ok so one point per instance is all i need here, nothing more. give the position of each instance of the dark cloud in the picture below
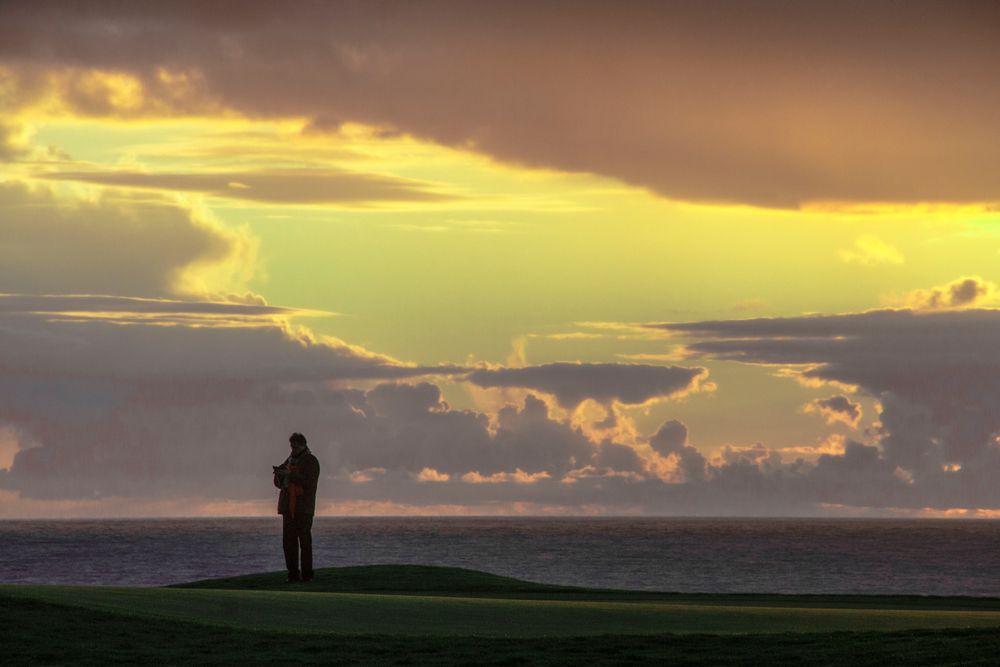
(935, 374)
(883, 335)
(155, 439)
(962, 293)
(115, 307)
(413, 429)
(573, 383)
(671, 439)
(54, 246)
(837, 408)
(63, 347)
(773, 103)
(274, 186)
(138, 441)
(405, 401)
(612, 456)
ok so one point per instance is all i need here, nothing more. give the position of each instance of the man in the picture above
(297, 478)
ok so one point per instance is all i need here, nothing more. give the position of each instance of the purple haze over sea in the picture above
(928, 557)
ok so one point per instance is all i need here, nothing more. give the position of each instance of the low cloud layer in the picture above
(118, 308)
(146, 426)
(399, 446)
(53, 245)
(936, 376)
(73, 346)
(274, 186)
(773, 105)
(572, 384)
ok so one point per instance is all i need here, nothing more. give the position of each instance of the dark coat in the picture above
(306, 475)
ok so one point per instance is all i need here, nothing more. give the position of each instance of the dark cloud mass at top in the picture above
(768, 103)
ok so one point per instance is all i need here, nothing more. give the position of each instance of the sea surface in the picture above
(925, 557)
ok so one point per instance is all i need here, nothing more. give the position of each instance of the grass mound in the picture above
(460, 582)
(394, 579)
(413, 600)
(406, 614)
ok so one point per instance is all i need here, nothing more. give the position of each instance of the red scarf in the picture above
(294, 491)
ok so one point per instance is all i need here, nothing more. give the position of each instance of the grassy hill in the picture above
(399, 579)
(456, 581)
(442, 615)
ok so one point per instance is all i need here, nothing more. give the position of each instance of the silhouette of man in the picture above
(297, 478)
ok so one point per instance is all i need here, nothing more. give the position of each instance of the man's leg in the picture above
(290, 544)
(305, 540)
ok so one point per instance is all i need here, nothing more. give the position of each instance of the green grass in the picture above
(376, 613)
(38, 633)
(420, 615)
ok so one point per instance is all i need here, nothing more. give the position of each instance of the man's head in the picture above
(298, 443)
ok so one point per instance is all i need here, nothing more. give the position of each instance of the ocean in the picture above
(874, 556)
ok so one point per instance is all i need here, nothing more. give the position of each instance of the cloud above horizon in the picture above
(828, 103)
(573, 383)
(401, 445)
(935, 374)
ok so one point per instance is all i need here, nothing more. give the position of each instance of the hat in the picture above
(297, 438)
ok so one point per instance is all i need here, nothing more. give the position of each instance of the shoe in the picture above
(293, 578)
(307, 577)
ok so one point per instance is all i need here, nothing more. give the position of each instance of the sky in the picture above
(648, 258)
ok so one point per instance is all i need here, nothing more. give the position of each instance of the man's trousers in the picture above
(296, 535)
